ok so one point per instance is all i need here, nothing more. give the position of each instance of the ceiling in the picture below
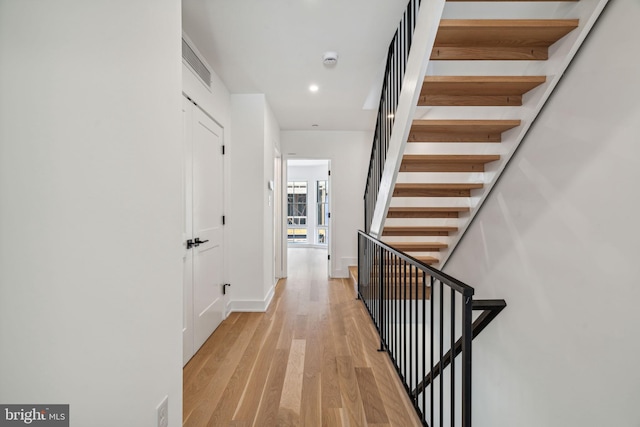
(275, 47)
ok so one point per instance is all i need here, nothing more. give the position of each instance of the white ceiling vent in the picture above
(196, 63)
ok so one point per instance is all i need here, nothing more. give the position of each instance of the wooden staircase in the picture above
(472, 112)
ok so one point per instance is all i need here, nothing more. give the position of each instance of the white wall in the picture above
(558, 240)
(90, 177)
(349, 154)
(251, 214)
(310, 174)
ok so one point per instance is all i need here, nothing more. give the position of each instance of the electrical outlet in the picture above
(163, 412)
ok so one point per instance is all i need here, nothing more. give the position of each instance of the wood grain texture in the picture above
(418, 246)
(490, 53)
(373, 406)
(498, 39)
(429, 260)
(418, 231)
(446, 162)
(460, 130)
(434, 190)
(426, 212)
(476, 90)
(502, 32)
(302, 363)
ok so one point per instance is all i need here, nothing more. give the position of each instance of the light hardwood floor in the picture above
(310, 360)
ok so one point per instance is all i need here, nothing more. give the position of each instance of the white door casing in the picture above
(329, 238)
(187, 232)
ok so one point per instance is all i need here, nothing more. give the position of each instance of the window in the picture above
(323, 203)
(322, 211)
(297, 235)
(297, 211)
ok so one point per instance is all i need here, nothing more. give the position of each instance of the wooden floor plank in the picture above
(350, 392)
(356, 346)
(292, 390)
(335, 417)
(371, 400)
(311, 411)
(231, 394)
(301, 327)
(330, 387)
(270, 401)
(199, 404)
(256, 383)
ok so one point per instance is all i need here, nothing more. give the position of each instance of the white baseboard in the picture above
(259, 306)
(339, 274)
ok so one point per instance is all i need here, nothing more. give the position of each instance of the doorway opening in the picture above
(308, 217)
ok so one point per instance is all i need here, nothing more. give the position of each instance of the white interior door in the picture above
(208, 201)
(203, 233)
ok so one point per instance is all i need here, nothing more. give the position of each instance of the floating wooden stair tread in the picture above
(418, 246)
(429, 260)
(425, 212)
(499, 39)
(353, 272)
(476, 90)
(434, 190)
(460, 130)
(422, 258)
(446, 163)
(418, 231)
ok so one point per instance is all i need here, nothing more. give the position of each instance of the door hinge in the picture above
(223, 150)
(329, 215)
(329, 257)
(329, 173)
(224, 219)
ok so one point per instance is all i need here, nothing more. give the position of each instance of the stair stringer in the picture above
(424, 36)
(561, 55)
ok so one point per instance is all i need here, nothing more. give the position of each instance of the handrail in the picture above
(397, 56)
(424, 319)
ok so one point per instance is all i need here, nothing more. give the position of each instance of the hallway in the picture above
(310, 360)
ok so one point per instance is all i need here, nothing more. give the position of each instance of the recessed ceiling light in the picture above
(314, 88)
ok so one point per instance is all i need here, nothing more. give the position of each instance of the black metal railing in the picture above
(424, 319)
(391, 87)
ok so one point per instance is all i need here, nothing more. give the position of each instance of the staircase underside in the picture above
(491, 68)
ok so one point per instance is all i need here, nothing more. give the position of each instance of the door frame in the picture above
(285, 242)
(279, 239)
(188, 199)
